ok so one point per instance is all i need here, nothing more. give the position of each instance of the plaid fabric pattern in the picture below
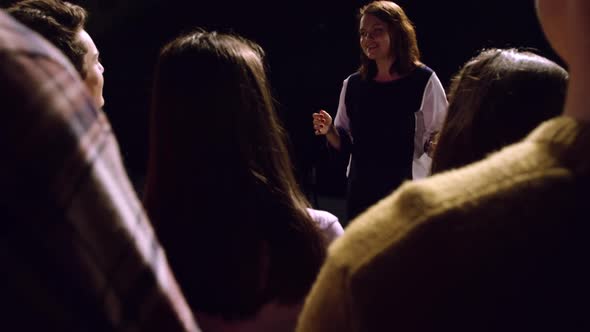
(77, 250)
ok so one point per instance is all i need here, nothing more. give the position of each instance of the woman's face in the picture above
(375, 41)
(94, 80)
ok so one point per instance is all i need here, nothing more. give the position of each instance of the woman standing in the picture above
(388, 111)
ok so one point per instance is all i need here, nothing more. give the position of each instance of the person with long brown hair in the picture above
(496, 99)
(388, 110)
(221, 191)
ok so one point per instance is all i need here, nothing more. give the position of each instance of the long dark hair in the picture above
(404, 45)
(220, 185)
(496, 99)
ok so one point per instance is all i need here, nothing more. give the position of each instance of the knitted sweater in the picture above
(497, 245)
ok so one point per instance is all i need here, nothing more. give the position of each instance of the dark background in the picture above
(312, 46)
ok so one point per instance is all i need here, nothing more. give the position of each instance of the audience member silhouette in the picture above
(78, 251)
(221, 191)
(496, 99)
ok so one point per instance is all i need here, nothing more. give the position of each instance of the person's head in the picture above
(219, 175)
(62, 23)
(496, 99)
(212, 107)
(386, 32)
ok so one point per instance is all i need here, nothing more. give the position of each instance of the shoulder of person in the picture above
(17, 38)
(354, 77)
(324, 219)
(422, 68)
(353, 80)
(422, 74)
(469, 193)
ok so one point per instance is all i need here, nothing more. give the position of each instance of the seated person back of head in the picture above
(78, 252)
(501, 244)
(496, 99)
(221, 189)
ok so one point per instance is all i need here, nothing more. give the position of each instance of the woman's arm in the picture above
(337, 131)
(433, 111)
(434, 107)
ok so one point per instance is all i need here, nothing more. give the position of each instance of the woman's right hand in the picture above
(322, 122)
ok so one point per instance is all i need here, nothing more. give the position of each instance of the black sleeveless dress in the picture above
(382, 127)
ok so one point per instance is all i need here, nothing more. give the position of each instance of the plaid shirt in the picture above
(77, 250)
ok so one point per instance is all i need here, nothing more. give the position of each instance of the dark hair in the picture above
(496, 99)
(57, 21)
(220, 187)
(404, 45)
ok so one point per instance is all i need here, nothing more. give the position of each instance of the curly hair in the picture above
(57, 21)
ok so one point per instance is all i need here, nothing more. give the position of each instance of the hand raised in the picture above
(322, 122)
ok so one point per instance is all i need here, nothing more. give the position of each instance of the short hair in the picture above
(404, 45)
(496, 99)
(220, 179)
(57, 21)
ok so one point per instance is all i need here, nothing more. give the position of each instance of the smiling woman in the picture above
(388, 110)
(375, 41)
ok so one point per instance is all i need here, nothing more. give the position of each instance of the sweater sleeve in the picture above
(327, 307)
